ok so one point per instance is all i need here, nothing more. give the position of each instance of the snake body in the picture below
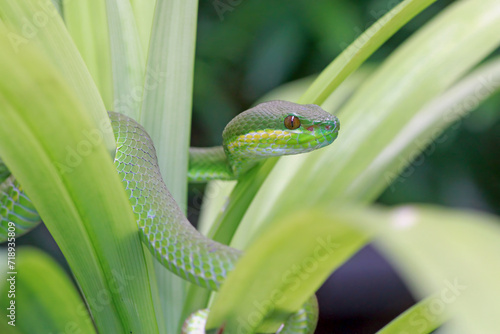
(270, 129)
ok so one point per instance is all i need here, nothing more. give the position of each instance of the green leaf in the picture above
(362, 48)
(88, 26)
(423, 130)
(52, 146)
(228, 220)
(45, 299)
(144, 12)
(58, 4)
(127, 58)
(448, 255)
(282, 269)
(293, 90)
(451, 256)
(37, 23)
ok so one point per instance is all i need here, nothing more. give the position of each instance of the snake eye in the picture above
(292, 122)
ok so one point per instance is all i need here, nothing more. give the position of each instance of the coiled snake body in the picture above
(270, 129)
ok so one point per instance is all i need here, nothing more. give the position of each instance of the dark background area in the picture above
(258, 45)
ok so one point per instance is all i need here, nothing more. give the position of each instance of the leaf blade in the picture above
(45, 295)
(51, 145)
(52, 39)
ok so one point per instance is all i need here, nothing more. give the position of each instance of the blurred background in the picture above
(246, 49)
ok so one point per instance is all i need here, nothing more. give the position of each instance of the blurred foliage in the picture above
(459, 169)
(255, 46)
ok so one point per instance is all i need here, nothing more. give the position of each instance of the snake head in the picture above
(277, 128)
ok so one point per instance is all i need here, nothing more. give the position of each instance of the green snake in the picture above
(270, 129)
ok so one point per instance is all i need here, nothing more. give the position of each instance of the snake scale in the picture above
(272, 128)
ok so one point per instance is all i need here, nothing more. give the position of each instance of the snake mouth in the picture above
(329, 123)
(320, 134)
(322, 128)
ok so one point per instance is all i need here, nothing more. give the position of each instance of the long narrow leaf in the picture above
(45, 299)
(37, 22)
(424, 128)
(52, 146)
(362, 48)
(127, 58)
(144, 12)
(450, 256)
(88, 26)
(282, 269)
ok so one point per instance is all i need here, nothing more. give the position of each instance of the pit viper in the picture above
(269, 129)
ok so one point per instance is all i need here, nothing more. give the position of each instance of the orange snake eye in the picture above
(292, 122)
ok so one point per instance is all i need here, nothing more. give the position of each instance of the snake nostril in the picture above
(328, 127)
(310, 128)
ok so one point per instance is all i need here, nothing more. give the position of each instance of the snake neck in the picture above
(215, 163)
(207, 164)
